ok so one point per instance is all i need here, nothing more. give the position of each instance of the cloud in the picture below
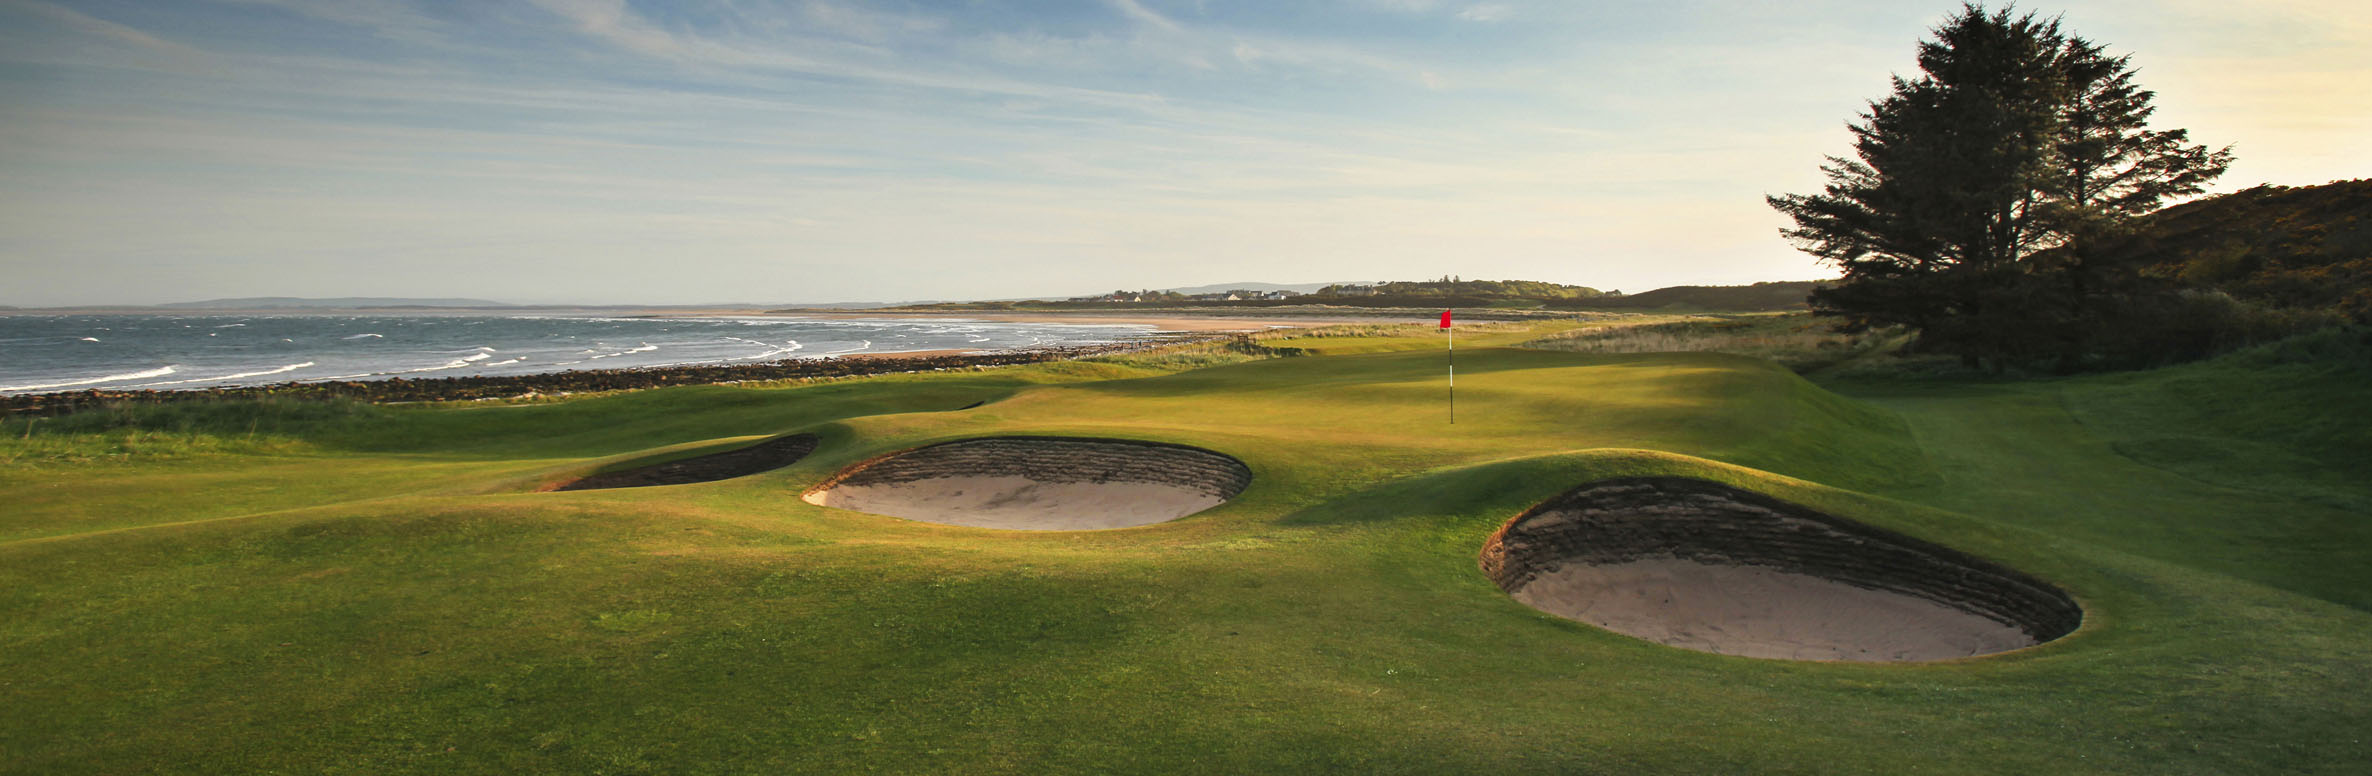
(392, 18)
(1486, 12)
(614, 22)
(92, 25)
(547, 145)
(1137, 12)
(866, 24)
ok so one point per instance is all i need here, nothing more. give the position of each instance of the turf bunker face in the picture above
(764, 456)
(1038, 483)
(1703, 566)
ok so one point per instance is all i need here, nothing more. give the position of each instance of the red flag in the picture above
(1445, 319)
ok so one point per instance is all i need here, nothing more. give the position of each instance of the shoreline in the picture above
(1164, 330)
(480, 387)
(1164, 320)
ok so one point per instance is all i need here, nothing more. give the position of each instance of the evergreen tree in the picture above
(2112, 169)
(2015, 140)
(2110, 164)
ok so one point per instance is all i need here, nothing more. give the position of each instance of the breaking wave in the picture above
(157, 372)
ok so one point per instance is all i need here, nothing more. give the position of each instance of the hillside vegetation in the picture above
(2297, 247)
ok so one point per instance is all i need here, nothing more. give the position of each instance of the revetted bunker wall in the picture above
(764, 456)
(1056, 459)
(1621, 520)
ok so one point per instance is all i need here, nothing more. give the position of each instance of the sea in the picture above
(41, 353)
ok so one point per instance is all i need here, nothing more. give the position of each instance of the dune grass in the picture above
(380, 592)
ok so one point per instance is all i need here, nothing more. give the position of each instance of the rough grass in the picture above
(390, 599)
(1795, 340)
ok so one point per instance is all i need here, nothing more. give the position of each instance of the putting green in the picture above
(383, 592)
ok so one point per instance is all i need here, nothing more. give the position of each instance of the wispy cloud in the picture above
(870, 149)
(1486, 12)
(1137, 12)
(99, 28)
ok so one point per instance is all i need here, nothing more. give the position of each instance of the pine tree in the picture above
(2110, 164)
(2015, 140)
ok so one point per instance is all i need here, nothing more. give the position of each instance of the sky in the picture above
(776, 151)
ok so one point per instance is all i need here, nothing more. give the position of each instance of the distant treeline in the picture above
(1455, 288)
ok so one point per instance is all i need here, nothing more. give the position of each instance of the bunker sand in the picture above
(1764, 612)
(1703, 566)
(1038, 483)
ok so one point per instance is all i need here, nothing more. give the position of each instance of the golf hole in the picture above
(1038, 483)
(1703, 566)
(764, 456)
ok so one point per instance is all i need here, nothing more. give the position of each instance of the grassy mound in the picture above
(380, 595)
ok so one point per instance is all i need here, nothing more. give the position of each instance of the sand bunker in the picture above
(1704, 566)
(1038, 483)
(764, 456)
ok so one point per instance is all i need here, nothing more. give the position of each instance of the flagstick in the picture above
(1453, 374)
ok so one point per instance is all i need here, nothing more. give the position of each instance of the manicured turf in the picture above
(379, 591)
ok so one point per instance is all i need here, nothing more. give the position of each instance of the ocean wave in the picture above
(458, 363)
(90, 339)
(157, 372)
(239, 376)
(772, 350)
(364, 336)
(868, 344)
(645, 348)
(230, 326)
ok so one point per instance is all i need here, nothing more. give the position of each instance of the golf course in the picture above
(281, 586)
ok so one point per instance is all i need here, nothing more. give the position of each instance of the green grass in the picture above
(375, 590)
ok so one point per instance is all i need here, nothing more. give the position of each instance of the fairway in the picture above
(362, 589)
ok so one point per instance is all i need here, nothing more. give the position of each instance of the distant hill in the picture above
(1444, 292)
(1299, 288)
(343, 302)
(1471, 289)
(1773, 296)
(2299, 247)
